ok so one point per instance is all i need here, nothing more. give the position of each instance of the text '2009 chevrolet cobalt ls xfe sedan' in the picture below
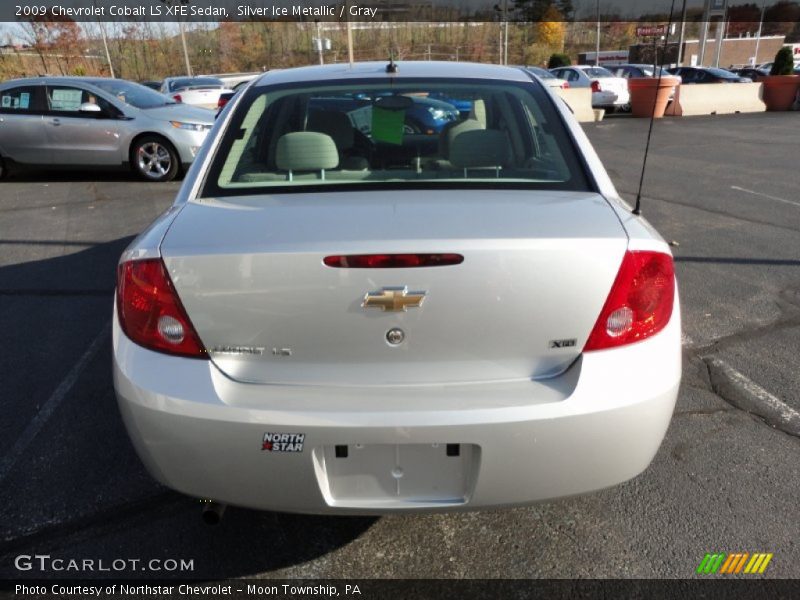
(340, 316)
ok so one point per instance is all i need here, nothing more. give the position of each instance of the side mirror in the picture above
(90, 107)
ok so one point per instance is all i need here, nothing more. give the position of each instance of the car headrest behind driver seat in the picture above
(306, 151)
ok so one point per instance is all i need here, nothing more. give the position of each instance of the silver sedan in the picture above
(98, 122)
(338, 315)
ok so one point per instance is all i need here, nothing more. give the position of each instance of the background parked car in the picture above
(96, 122)
(548, 78)
(641, 70)
(708, 75)
(153, 85)
(197, 91)
(638, 70)
(752, 73)
(608, 91)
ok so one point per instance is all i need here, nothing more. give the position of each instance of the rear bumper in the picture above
(598, 424)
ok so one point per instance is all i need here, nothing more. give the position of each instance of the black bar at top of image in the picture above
(711, 588)
(386, 10)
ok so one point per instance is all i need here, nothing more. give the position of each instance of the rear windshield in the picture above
(543, 73)
(598, 72)
(365, 134)
(195, 83)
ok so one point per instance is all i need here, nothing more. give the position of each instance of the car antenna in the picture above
(637, 209)
(391, 67)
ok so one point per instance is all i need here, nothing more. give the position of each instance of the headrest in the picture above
(306, 151)
(479, 148)
(335, 124)
(478, 112)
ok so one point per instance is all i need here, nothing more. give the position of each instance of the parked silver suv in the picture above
(98, 122)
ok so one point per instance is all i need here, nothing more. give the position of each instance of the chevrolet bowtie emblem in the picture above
(393, 299)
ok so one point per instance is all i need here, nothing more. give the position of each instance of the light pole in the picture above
(105, 45)
(758, 35)
(682, 34)
(597, 52)
(183, 37)
(319, 42)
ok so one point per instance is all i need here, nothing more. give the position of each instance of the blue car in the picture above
(425, 116)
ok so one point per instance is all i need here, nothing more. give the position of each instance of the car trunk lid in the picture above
(537, 268)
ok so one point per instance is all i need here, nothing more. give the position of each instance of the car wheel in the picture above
(154, 159)
(411, 128)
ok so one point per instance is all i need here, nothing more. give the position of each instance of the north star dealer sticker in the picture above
(283, 442)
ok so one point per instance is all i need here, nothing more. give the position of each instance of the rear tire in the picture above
(154, 159)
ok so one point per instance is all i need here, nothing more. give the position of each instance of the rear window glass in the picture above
(368, 134)
(195, 83)
(598, 72)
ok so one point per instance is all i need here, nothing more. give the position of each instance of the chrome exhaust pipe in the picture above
(213, 512)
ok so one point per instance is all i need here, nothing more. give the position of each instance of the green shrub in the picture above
(784, 62)
(558, 60)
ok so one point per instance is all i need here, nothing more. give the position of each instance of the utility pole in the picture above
(319, 42)
(681, 37)
(597, 53)
(350, 41)
(105, 45)
(758, 35)
(185, 49)
(704, 33)
(720, 37)
(183, 35)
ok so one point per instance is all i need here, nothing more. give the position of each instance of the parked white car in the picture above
(195, 91)
(608, 91)
(548, 78)
(341, 315)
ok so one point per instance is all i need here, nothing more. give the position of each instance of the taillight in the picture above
(596, 86)
(640, 302)
(150, 312)
(177, 98)
(392, 261)
(222, 102)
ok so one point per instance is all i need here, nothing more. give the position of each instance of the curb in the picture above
(741, 392)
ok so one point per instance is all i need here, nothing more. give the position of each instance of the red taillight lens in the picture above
(222, 102)
(640, 302)
(392, 261)
(177, 98)
(596, 86)
(150, 312)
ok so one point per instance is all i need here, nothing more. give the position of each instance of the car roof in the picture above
(50, 79)
(405, 70)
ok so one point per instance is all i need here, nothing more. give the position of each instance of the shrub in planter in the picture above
(558, 60)
(784, 62)
(781, 85)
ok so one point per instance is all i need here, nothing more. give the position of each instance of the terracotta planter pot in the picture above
(780, 91)
(649, 91)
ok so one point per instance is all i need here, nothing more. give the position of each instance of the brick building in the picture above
(735, 51)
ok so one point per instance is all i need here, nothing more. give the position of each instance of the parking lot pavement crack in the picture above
(743, 335)
(743, 393)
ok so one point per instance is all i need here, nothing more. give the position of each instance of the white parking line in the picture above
(784, 200)
(49, 407)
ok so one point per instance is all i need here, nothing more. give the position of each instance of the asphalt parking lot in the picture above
(724, 190)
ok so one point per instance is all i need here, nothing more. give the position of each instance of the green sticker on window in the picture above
(387, 125)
